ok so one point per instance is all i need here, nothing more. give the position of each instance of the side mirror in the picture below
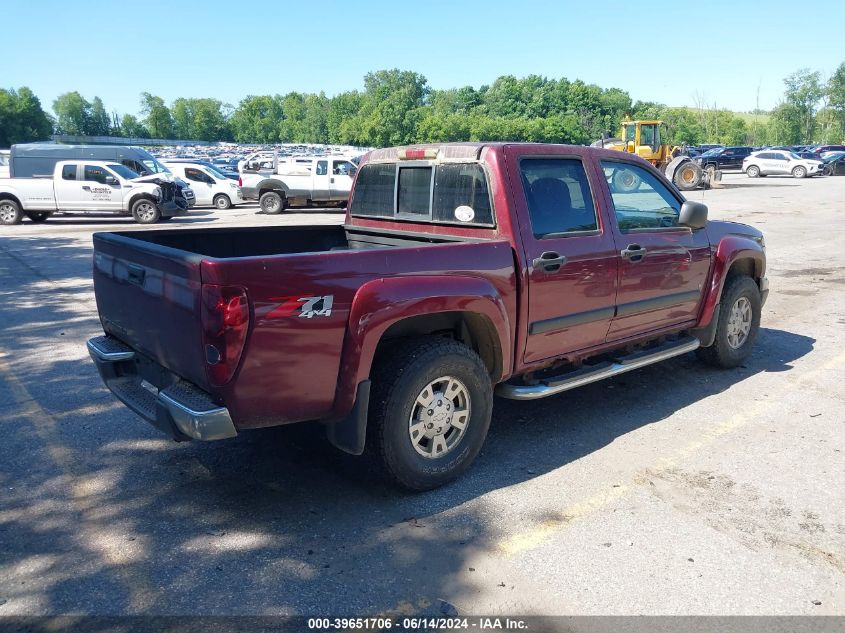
(693, 215)
(111, 180)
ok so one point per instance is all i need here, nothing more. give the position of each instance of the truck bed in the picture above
(148, 286)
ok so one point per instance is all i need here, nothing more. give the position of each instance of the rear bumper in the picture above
(180, 410)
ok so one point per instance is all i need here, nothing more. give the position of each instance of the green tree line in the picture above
(399, 107)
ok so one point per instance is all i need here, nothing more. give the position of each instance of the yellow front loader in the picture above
(643, 139)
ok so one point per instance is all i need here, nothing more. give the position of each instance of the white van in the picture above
(211, 187)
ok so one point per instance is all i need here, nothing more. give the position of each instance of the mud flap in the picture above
(350, 433)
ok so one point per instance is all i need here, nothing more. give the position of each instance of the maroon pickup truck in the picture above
(462, 270)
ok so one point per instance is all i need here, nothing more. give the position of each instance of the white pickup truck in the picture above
(87, 186)
(319, 181)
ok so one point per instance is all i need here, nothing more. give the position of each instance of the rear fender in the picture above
(381, 303)
(271, 184)
(730, 250)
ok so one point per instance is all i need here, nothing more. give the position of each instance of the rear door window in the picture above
(69, 172)
(558, 196)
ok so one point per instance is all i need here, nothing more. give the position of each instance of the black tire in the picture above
(625, 181)
(38, 216)
(272, 202)
(753, 171)
(799, 172)
(10, 212)
(722, 353)
(401, 375)
(222, 201)
(145, 211)
(688, 176)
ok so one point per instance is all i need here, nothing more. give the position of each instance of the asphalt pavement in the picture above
(674, 489)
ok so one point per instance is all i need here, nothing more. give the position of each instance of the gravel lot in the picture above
(675, 489)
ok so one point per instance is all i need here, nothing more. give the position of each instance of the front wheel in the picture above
(222, 201)
(753, 171)
(10, 212)
(799, 172)
(272, 203)
(145, 211)
(429, 413)
(739, 322)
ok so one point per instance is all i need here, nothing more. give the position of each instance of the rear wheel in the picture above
(222, 201)
(145, 211)
(272, 202)
(429, 411)
(10, 212)
(753, 171)
(799, 172)
(739, 322)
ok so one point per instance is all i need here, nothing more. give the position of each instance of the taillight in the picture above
(225, 321)
(240, 182)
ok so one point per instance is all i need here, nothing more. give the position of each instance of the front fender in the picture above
(381, 303)
(730, 249)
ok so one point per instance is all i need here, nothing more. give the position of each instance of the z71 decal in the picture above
(306, 307)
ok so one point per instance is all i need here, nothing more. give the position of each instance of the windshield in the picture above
(830, 156)
(155, 167)
(123, 171)
(712, 152)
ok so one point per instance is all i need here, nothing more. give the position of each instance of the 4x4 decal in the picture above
(306, 307)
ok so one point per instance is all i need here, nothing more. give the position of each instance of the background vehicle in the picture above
(818, 149)
(642, 138)
(84, 187)
(833, 164)
(300, 182)
(211, 187)
(771, 163)
(224, 171)
(461, 268)
(33, 160)
(723, 158)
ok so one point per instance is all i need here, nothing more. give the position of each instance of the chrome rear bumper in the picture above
(180, 410)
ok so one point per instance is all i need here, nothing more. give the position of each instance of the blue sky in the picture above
(715, 48)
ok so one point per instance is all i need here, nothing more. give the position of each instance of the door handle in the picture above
(549, 261)
(86, 188)
(331, 180)
(633, 252)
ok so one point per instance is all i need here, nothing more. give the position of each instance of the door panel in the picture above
(322, 186)
(68, 189)
(97, 194)
(341, 179)
(570, 253)
(662, 267)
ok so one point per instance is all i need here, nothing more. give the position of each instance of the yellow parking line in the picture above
(539, 534)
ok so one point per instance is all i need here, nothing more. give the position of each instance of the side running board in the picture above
(593, 373)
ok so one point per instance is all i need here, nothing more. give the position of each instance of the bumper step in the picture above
(594, 373)
(180, 410)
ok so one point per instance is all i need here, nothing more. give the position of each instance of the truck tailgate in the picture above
(149, 297)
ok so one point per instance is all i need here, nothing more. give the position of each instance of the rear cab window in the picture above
(444, 193)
